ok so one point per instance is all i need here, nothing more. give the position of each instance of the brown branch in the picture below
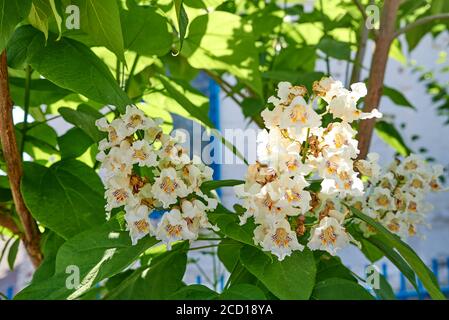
(420, 22)
(31, 236)
(9, 223)
(377, 72)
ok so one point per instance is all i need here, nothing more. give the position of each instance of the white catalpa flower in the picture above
(138, 223)
(345, 108)
(299, 115)
(294, 193)
(381, 199)
(280, 240)
(329, 236)
(116, 132)
(339, 140)
(173, 227)
(142, 153)
(168, 187)
(135, 119)
(272, 118)
(119, 194)
(328, 88)
(369, 167)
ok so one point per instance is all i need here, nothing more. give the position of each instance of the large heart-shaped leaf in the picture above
(96, 254)
(12, 13)
(61, 62)
(162, 278)
(100, 24)
(293, 278)
(222, 41)
(340, 289)
(67, 197)
(146, 31)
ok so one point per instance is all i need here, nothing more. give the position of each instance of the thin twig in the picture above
(361, 8)
(361, 50)
(328, 64)
(420, 22)
(131, 72)
(31, 237)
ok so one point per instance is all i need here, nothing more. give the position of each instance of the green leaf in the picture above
(74, 143)
(422, 271)
(181, 92)
(61, 62)
(229, 226)
(42, 13)
(194, 104)
(382, 244)
(215, 184)
(50, 244)
(67, 197)
(18, 46)
(13, 12)
(146, 31)
(99, 253)
(331, 267)
(12, 254)
(397, 97)
(228, 252)
(43, 92)
(385, 292)
(293, 278)
(183, 21)
(243, 291)
(83, 119)
(388, 133)
(40, 136)
(100, 20)
(340, 289)
(194, 292)
(158, 281)
(221, 41)
(371, 252)
(335, 49)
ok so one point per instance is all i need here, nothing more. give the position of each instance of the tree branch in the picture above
(360, 54)
(31, 237)
(377, 72)
(9, 223)
(420, 22)
(361, 8)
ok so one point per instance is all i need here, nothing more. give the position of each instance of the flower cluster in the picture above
(309, 141)
(395, 196)
(147, 171)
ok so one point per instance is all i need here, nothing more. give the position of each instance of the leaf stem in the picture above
(131, 72)
(26, 107)
(306, 147)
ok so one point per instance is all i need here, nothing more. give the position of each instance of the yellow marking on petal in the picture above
(383, 201)
(416, 183)
(120, 195)
(328, 236)
(173, 230)
(281, 238)
(134, 121)
(140, 154)
(168, 185)
(142, 225)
